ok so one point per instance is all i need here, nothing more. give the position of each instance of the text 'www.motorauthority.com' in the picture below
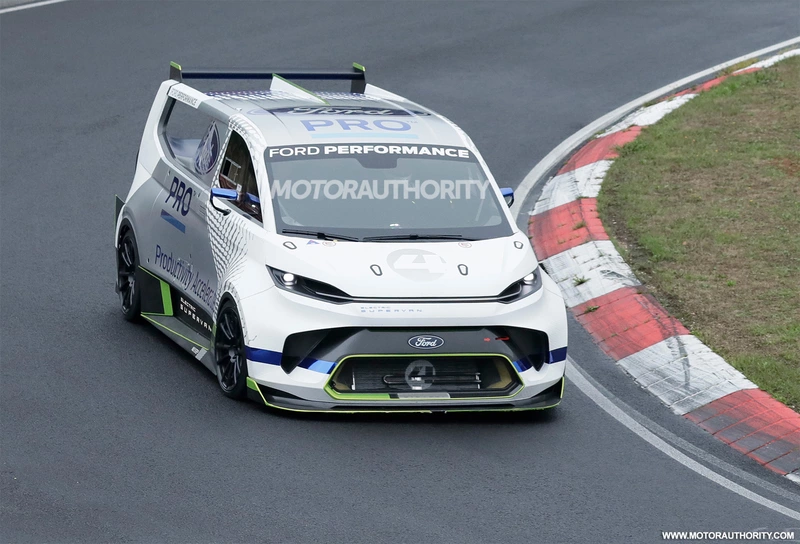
(727, 535)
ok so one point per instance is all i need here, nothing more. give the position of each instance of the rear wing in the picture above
(357, 76)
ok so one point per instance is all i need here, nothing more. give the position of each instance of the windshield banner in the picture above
(290, 152)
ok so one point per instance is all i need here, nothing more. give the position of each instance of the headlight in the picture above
(531, 282)
(307, 287)
(528, 285)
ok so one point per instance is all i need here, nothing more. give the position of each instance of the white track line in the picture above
(557, 155)
(29, 6)
(645, 434)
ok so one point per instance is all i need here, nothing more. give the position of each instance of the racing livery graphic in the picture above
(334, 251)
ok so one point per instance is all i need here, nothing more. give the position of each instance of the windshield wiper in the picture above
(415, 237)
(320, 235)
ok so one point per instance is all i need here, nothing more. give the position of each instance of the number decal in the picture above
(181, 195)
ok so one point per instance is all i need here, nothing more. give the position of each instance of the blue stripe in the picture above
(555, 356)
(274, 358)
(365, 135)
(558, 355)
(317, 365)
(324, 367)
(172, 221)
(263, 355)
(523, 364)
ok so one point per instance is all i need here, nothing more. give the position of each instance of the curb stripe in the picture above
(589, 271)
(565, 227)
(600, 288)
(566, 148)
(684, 373)
(625, 322)
(650, 115)
(754, 423)
(600, 149)
(766, 63)
(764, 435)
(583, 182)
(703, 87)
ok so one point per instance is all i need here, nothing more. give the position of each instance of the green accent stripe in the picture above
(358, 66)
(252, 385)
(175, 65)
(414, 355)
(306, 91)
(507, 409)
(356, 396)
(146, 270)
(383, 396)
(166, 298)
(154, 322)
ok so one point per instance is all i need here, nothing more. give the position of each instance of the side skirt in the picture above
(177, 317)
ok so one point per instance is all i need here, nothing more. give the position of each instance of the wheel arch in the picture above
(226, 297)
(124, 224)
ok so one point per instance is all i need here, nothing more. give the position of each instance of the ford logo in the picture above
(425, 341)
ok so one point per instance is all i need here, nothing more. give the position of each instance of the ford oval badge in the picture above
(425, 341)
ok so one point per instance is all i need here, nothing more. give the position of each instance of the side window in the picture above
(237, 173)
(192, 138)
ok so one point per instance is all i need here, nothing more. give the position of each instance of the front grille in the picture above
(471, 375)
(332, 294)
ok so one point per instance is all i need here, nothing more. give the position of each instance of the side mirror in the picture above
(224, 194)
(508, 194)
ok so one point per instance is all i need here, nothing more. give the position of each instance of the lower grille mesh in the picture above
(484, 374)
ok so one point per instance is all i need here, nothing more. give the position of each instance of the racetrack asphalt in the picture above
(110, 433)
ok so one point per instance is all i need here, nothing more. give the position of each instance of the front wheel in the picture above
(127, 262)
(229, 352)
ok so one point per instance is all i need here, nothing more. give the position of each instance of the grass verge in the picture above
(705, 206)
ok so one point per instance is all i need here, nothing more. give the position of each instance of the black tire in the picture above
(229, 354)
(130, 296)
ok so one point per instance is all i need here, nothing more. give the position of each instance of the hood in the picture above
(411, 269)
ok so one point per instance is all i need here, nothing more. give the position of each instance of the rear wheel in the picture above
(127, 263)
(229, 352)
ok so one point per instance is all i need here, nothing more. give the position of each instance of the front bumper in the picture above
(297, 347)
(549, 398)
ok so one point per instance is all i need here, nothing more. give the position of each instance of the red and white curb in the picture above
(631, 326)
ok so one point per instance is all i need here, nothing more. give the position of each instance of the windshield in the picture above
(383, 191)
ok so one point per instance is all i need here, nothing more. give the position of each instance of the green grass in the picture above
(705, 206)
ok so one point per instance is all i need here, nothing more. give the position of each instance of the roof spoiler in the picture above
(357, 76)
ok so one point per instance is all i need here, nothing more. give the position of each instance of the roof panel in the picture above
(285, 118)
